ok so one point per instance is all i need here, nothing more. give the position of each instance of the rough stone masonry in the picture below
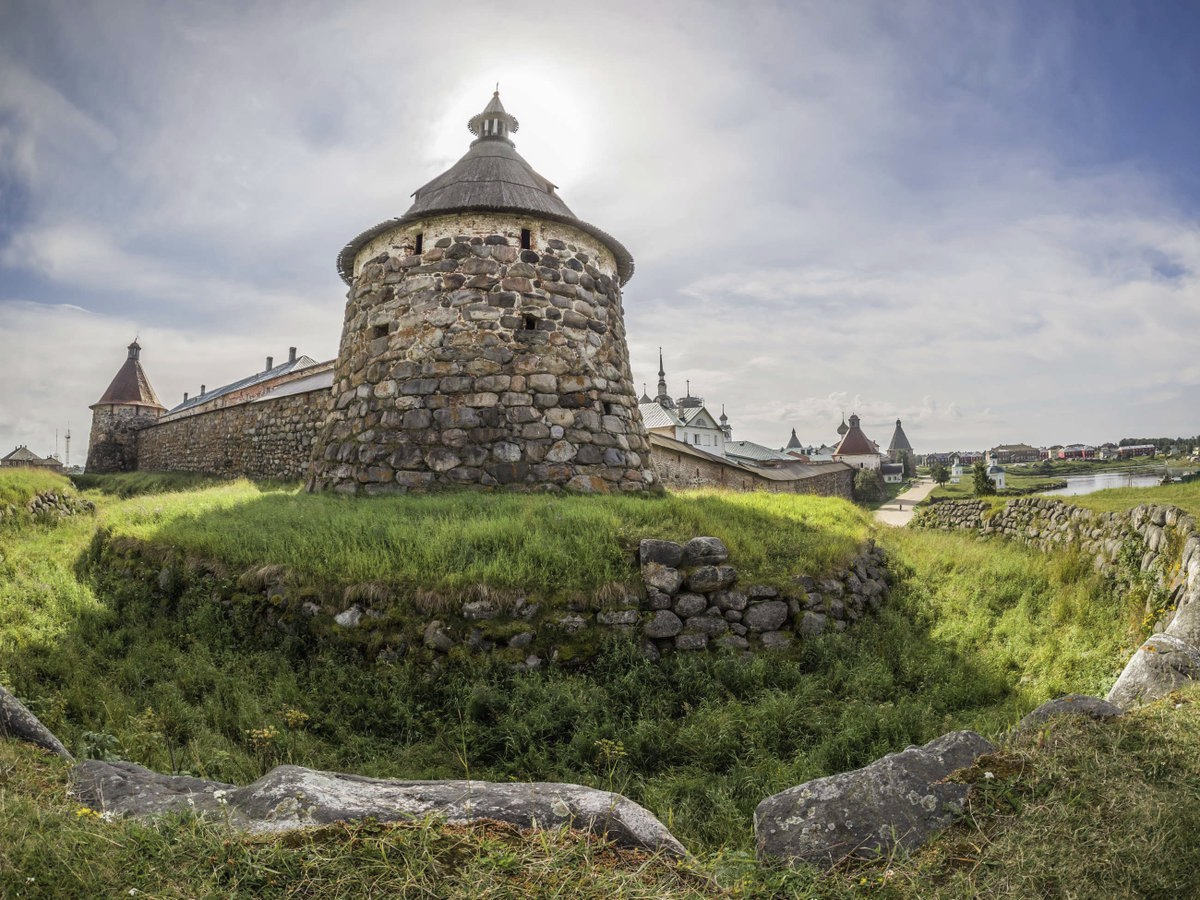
(484, 341)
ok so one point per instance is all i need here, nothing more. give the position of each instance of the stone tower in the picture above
(128, 406)
(484, 341)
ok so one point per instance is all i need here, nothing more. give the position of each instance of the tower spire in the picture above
(663, 399)
(494, 123)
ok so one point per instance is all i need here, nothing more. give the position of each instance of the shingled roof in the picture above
(22, 454)
(900, 439)
(854, 442)
(491, 177)
(130, 387)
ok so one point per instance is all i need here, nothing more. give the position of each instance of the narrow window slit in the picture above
(419, 248)
(526, 239)
(379, 331)
(530, 322)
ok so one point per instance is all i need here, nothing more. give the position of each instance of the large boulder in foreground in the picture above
(291, 797)
(18, 722)
(898, 801)
(1162, 664)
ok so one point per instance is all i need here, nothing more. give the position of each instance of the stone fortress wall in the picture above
(264, 439)
(681, 468)
(476, 361)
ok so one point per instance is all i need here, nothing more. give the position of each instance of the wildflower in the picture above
(988, 776)
(295, 719)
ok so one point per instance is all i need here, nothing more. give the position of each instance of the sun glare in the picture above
(556, 133)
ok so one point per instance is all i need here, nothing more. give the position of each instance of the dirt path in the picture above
(899, 511)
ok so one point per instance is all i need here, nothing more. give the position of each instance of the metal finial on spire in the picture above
(662, 373)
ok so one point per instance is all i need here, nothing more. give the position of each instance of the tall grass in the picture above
(19, 485)
(974, 636)
(450, 542)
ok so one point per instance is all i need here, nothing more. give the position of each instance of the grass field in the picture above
(975, 635)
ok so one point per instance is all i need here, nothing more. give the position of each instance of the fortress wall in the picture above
(678, 470)
(265, 439)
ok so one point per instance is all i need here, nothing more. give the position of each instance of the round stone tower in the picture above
(484, 341)
(128, 406)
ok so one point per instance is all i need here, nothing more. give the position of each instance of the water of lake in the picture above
(1085, 484)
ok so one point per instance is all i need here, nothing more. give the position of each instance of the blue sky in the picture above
(982, 218)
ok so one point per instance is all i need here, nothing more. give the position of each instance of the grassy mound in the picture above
(120, 666)
(133, 484)
(18, 486)
(450, 543)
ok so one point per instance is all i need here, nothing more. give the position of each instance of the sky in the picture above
(980, 218)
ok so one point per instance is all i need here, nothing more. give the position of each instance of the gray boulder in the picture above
(665, 553)
(1185, 624)
(18, 722)
(705, 551)
(1069, 705)
(665, 624)
(291, 797)
(711, 578)
(769, 615)
(896, 802)
(662, 578)
(1162, 664)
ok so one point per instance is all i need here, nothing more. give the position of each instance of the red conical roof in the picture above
(855, 443)
(131, 386)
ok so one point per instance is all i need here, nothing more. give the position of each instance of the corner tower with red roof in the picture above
(128, 406)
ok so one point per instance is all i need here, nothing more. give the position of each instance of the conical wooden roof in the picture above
(491, 177)
(900, 439)
(131, 387)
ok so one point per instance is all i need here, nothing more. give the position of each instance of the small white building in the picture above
(956, 471)
(996, 473)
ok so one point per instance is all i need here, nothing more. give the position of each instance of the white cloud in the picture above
(870, 205)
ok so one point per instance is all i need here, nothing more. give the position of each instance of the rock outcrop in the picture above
(1069, 705)
(18, 722)
(896, 802)
(290, 797)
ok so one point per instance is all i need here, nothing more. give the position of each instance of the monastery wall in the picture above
(263, 439)
(680, 470)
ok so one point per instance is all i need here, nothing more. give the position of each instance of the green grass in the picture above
(132, 484)
(548, 546)
(1184, 495)
(1075, 809)
(19, 485)
(975, 635)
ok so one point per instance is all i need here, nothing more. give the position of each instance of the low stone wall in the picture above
(47, 506)
(263, 439)
(690, 599)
